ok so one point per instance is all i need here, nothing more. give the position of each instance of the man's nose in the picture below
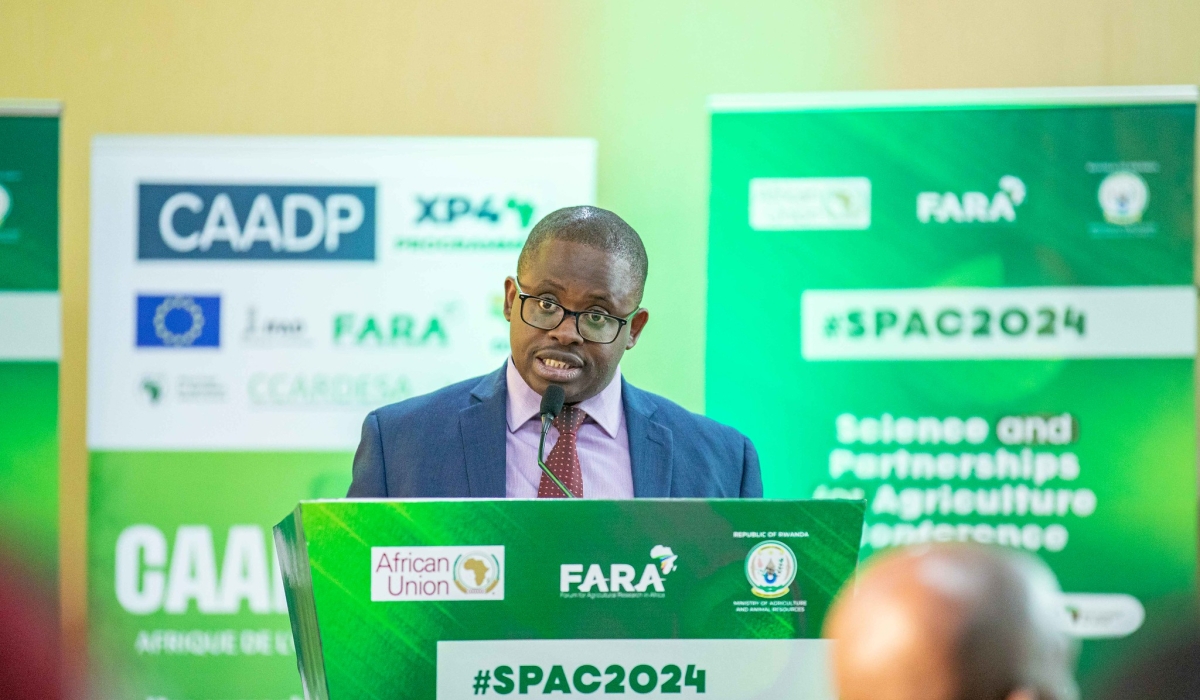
(567, 332)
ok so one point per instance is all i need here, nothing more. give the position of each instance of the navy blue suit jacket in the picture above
(451, 444)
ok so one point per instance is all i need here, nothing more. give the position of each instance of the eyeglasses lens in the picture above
(540, 313)
(544, 314)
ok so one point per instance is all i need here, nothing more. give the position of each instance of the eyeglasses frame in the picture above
(567, 312)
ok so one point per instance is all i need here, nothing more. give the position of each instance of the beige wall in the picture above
(631, 74)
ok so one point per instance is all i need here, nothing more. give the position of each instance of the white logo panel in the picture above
(984, 323)
(810, 203)
(437, 573)
(297, 346)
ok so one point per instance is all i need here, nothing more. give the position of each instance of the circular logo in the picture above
(476, 572)
(1123, 197)
(178, 321)
(770, 569)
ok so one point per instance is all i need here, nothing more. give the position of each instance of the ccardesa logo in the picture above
(255, 222)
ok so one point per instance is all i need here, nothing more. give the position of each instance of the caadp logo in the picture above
(152, 577)
(178, 321)
(255, 222)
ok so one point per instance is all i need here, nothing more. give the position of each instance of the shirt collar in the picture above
(524, 403)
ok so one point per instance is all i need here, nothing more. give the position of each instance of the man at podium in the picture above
(574, 308)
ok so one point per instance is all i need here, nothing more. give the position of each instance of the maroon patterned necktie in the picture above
(563, 460)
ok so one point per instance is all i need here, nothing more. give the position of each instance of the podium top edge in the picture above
(981, 97)
(30, 108)
(581, 500)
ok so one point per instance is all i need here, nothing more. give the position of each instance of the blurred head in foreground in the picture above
(952, 622)
(30, 664)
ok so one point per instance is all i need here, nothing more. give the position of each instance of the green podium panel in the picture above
(470, 598)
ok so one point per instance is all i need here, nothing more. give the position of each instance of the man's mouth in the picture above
(557, 371)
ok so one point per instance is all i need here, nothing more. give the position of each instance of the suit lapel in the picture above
(650, 445)
(482, 425)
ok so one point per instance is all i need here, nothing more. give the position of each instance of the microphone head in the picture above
(552, 400)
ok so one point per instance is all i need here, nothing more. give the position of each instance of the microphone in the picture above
(552, 404)
(552, 401)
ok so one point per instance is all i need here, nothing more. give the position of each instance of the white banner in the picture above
(32, 323)
(984, 323)
(730, 669)
(266, 293)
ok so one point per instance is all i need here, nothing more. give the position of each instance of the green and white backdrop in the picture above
(251, 300)
(30, 332)
(976, 311)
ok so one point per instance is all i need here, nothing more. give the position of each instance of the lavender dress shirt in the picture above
(602, 441)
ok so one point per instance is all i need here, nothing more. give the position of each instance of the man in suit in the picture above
(574, 308)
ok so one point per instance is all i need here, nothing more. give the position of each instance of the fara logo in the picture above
(770, 569)
(970, 207)
(178, 321)
(1124, 196)
(437, 573)
(665, 558)
(255, 222)
(622, 580)
(388, 330)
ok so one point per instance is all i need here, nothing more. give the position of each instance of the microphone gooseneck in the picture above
(552, 404)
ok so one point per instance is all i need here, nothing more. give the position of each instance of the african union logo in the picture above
(1123, 197)
(476, 572)
(178, 321)
(770, 569)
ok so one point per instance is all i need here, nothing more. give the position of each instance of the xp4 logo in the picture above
(449, 209)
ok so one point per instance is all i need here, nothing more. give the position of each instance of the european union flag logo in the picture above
(178, 321)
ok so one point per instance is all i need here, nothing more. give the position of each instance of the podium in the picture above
(455, 599)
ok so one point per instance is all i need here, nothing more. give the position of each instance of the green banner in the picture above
(976, 311)
(29, 331)
(461, 599)
(250, 303)
(184, 593)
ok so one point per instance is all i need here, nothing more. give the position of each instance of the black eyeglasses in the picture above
(592, 326)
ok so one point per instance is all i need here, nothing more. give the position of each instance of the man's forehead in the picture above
(572, 287)
(579, 269)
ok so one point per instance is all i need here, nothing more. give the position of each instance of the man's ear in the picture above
(510, 297)
(636, 324)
